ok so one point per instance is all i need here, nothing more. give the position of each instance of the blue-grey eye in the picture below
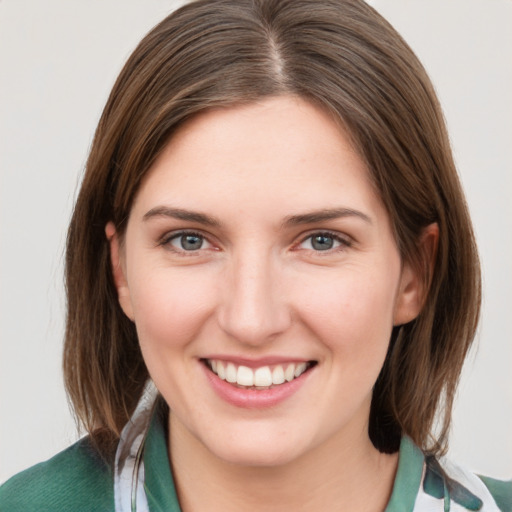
(188, 242)
(322, 242)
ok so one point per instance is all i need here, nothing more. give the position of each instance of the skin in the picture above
(256, 288)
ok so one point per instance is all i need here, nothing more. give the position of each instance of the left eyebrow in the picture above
(323, 215)
(181, 214)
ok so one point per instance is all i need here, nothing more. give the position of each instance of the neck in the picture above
(346, 471)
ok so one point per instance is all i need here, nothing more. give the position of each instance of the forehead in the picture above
(281, 150)
(265, 129)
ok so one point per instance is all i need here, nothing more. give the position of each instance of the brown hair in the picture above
(343, 56)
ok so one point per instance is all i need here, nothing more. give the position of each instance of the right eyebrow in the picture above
(181, 214)
(324, 215)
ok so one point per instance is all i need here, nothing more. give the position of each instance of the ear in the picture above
(415, 279)
(118, 270)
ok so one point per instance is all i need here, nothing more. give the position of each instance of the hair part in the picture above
(340, 55)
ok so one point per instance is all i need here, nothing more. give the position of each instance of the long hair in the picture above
(340, 55)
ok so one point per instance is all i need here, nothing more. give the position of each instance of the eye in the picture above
(324, 242)
(187, 241)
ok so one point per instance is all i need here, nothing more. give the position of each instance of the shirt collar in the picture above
(159, 482)
(408, 477)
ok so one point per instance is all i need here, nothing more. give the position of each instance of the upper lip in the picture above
(257, 362)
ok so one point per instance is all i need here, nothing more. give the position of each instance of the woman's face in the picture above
(262, 275)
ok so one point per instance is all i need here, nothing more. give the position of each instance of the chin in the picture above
(257, 449)
(257, 456)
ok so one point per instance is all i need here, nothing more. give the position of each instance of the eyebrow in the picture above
(181, 214)
(292, 220)
(323, 215)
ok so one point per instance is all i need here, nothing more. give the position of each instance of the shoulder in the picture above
(77, 479)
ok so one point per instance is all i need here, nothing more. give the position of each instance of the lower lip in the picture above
(255, 398)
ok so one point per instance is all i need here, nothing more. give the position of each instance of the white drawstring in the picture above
(129, 492)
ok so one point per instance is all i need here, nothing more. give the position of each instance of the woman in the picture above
(271, 230)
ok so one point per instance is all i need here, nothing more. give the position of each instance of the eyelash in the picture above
(344, 242)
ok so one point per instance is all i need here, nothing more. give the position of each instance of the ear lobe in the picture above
(118, 272)
(415, 279)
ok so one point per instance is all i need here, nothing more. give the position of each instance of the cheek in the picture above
(169, 308)
(351, 312)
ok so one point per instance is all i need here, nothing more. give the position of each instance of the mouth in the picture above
(260, 378)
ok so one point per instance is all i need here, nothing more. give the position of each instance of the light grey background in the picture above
(58, 61)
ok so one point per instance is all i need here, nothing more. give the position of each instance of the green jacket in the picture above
(78, 479)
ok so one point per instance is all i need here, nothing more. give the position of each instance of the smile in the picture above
(264, 377)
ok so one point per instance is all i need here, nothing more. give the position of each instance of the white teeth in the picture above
(231, 373)
(220, 370)
(300, 369)
(278, 375)
(263, 377)
(289, 373)
(245, 376)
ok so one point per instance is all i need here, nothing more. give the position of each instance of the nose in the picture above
(254, 307)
